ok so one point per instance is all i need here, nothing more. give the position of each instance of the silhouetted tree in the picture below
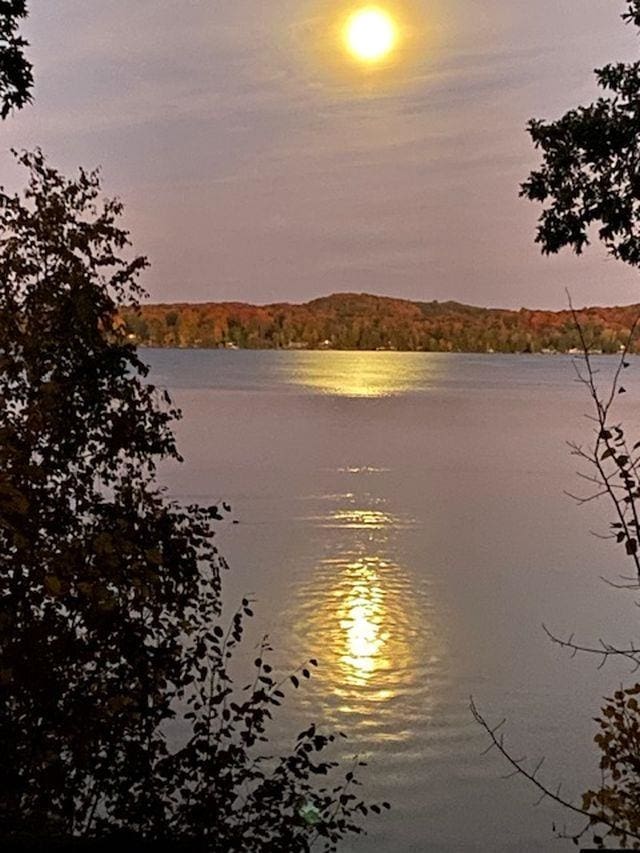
(110, 595)
(590, 171)
(590, 176)
(16, 77)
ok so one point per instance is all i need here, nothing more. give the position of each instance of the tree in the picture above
(110, 624)
(16, 72)
(590, 171)
(590, 177)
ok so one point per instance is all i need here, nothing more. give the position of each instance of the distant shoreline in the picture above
(385, 352)
(361, 322)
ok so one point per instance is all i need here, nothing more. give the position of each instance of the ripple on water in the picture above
(373, 629)
(371, 617)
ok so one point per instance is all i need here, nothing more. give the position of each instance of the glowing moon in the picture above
(370, 34)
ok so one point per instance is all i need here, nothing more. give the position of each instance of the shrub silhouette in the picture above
(16, 75)
(110, 625)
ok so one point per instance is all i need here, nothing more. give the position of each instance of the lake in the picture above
(402, 518)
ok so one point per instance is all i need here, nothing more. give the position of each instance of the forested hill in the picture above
(360, 321)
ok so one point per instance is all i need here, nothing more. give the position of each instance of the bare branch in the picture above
(605, 650)
(542, 788)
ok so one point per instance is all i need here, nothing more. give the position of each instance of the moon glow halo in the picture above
(370, 34)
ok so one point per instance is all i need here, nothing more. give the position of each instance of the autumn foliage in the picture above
(363, 322)
(616, 802)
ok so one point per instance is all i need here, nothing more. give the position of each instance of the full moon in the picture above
(370, 34)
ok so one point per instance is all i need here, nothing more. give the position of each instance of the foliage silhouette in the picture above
(617, 801)
(16, 72)
(590, 176)
(111, 626)
(590, 171)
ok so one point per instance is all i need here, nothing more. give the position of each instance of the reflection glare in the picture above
(366, 374)
(356, 519)
(365, 624)
(365, 639)
(370, 626)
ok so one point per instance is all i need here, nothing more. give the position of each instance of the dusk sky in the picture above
(259, 162)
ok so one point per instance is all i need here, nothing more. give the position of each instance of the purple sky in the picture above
(256, 165)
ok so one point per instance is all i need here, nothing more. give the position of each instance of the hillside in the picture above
(361, 321)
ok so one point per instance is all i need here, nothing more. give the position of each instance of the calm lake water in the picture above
(402, 519)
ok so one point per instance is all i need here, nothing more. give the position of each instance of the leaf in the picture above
(294, 681)
(52, 585)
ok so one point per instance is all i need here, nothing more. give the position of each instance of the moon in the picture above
(370, 34)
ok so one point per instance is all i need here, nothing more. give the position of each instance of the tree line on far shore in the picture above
(365, 322)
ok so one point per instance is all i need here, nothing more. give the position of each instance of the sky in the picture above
(258, 162)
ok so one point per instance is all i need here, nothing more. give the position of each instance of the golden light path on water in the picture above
(366, 642)
(372, 629)
(366, 374)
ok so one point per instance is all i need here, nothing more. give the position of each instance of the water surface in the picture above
(402, 519)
